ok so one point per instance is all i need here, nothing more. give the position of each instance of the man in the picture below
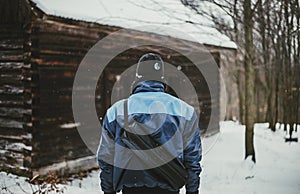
(150, 141)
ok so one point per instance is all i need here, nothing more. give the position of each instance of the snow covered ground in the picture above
(277, 170)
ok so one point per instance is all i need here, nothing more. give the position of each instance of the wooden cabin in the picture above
(39, 57)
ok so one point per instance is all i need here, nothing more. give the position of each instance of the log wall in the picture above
(15, 89)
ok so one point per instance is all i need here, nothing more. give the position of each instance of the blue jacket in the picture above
(166, 118)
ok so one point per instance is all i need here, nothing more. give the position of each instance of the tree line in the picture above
(267, 60)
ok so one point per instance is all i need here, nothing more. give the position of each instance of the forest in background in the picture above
(267, 64)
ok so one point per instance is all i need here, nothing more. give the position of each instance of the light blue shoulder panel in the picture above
(152, 103)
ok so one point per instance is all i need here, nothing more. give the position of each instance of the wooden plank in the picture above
(57, 152)
(15, 138)
(11, 158)
(10, 71)
(8, 53)
(11, 35)
(9, 89)
(5, 131)
(11, 123)
(52, 62)
(11, 81)
(59, 147)
(55, 77)
(68, 167)
(9, 44)
(11, 98)
(21, 171)
(55, 27)
(14, 147)
(9, 65)
(63, 41)
(15, 113)
(15, 58)
(41, 164)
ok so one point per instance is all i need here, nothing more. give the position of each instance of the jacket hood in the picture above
(149, 86)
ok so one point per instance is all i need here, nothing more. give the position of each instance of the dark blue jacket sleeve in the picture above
(192, 155)
(105, 157)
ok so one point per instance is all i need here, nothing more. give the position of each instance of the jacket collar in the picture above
(149, 86)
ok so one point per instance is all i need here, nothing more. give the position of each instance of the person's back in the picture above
(148, 141)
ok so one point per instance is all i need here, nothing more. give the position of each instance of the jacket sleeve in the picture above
(105, 156)
(192, 154)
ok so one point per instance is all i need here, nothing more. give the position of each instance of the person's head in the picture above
(150, 67)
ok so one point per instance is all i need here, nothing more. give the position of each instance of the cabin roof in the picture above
(132, 14)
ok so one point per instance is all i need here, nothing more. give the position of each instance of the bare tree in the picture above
(249, 79)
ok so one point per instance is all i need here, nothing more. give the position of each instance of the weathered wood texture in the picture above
(40, 55)
(57, 52)
(17, 90)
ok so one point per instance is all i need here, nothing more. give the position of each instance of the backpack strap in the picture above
(125, 117)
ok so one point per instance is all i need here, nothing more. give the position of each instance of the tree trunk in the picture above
(297, 7)
(239, 65)
(249, 80)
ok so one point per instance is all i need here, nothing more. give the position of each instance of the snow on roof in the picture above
(134, 13)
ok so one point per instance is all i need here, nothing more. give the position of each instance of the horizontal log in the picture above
(11, 158)
(11, 58)
(12, 52)
(10, 123)
(55, 121)
(58, 162)
(55, 77)
(58, 146)
(6, 139)
(47, 53)
(11, 40)
(21, 171)
(13, 112)
(48, 127)
(59, 129)
(13, 131)
(57, 117)
(10, 65)
(52, 62)
(11, 104)
(10, 90)
(71, 30)
(55, 94)
(7, 117)
(60, 41)
(15, 71)
(55, 151)
(11, 49)
(68, 167)
(18, 148)
(8, 81)
(11, 97)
